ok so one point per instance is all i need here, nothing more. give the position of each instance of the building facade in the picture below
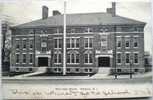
(93, 41)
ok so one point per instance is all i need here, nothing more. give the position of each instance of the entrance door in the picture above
(42, 61)
(104, 62)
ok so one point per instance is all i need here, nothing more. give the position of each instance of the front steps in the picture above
(102, 72)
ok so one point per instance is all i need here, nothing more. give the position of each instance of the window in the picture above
(77, 42)
(17, 44)
(136, 70)
(119, 43)
(68, 58)
(88, 58)
(88, 43)
(24, 43)
(31, 44)
(88, 30)
(88, 70)
(68, 43)
(127, 58)
(17, 58)
(135, 43)
(57, 58)
(119, 70)
(58, 43)
(77, 58)
(135, 58)
(24, 58)
(73, 58)
(118, 58)
(31, 58)
(73, 43)
(127, 43)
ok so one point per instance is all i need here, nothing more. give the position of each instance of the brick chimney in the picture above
(56, 12)
(44, 12)
(112, 10)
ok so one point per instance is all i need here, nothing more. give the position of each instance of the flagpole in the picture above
(64, 41)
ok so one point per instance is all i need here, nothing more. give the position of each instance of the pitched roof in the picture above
(80, 20)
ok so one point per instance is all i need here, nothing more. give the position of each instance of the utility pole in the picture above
(64, 41)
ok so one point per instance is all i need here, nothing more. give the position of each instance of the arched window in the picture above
(57, 57)
(73, 57)
(88, 57)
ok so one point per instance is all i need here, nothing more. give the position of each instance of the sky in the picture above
(21, 11)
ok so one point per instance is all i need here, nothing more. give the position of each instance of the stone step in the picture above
(104, 70)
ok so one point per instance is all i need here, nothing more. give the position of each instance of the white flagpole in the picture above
(64, 41)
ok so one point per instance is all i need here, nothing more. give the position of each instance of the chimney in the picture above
(44, 12)
(56, 12)
(112, 10)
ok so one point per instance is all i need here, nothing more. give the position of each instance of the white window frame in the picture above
(129, 58)
(88, 42)
(75, 42)
(134, 58)
(24, 39)
(25, 58)
(31, 39)
(119, 39)
(127, 40)
(88, 63)
(135, 39)
(74, 58)
(57, 53)
(58, 42)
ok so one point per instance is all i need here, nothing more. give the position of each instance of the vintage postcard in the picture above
(76, 49)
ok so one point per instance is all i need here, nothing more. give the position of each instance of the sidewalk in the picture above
(94, 77)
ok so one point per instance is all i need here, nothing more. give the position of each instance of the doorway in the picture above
(104, 62)
(43, 61)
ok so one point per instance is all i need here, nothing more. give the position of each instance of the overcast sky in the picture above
(21, 11)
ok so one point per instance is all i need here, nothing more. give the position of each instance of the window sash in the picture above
(57, 58)
(73, 43)
(88, 58)
(73, 58)
(24, 44)
(127, 44)
(31, 58)
(31, 44)
(88, 43)
(24, 58)
(135, 58)
(119, 44)
(58, 43)
(127, 58)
